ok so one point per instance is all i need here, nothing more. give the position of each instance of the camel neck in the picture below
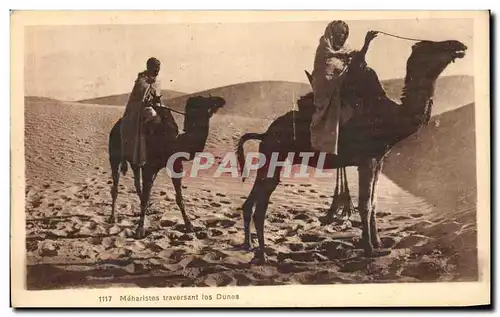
(194, 140)
(417, 96)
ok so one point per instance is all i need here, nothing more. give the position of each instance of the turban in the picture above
(152, 63)
(335, 27)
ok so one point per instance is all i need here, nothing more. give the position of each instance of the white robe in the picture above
(329, 68)
(132, 127)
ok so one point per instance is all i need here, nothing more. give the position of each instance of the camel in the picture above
(377, 125)
(162, 142)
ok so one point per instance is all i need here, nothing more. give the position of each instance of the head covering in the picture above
(152, 63)
(333, 28)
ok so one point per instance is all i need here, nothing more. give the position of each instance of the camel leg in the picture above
(177, 181)
(375, 239)
(148, 176)
(180, 202)
(266, 188)
(115, 173)
(247, 215)
(137, 180)
(366, 173)
(348, 207)
(150, 203)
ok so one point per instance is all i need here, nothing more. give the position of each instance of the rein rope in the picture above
(403, 38)
(177, 111)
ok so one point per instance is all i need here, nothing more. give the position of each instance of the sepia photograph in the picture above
(274, 158)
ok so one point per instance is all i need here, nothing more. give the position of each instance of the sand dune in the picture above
(263, 99)
(439, 164)
(33, 99)
(452, 92)
(441, 155)
(121, 99)
(270, 99)
(69, 243)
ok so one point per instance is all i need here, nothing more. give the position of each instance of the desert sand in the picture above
(426, 206)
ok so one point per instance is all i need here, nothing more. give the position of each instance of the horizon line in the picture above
(220, 87)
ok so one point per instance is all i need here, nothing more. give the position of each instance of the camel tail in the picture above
(115, 150)
(240, 152)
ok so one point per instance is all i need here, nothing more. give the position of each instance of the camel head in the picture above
(204, 107)
(215, 103)
(200, 109)
(429, 59)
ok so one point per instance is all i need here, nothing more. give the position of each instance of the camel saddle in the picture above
(350, 103)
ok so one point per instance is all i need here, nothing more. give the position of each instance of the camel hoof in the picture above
(111, 219)
(377, 243)
(381, 252)
(248, 246)
(368, 251)
(259, 259)
(245, 246)
(140, 233)
(367, 247)
(326, 220)
(189, 227)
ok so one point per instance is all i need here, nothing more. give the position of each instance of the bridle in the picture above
(176, 111)
(403, 38)
(180, 112)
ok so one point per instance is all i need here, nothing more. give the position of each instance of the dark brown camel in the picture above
(376, 126)
(162, 142)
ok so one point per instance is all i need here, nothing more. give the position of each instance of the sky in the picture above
(82, 61)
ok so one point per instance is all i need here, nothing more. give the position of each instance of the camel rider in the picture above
(331, 60)
(145, 94)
